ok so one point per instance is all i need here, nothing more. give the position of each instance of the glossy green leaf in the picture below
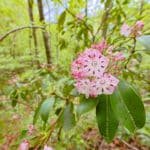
(128, 106)
(46, 107)
(86, 105)
(106, 118)
(68, 117)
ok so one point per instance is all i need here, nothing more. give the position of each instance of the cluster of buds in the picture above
(91, 70)
(133, 31)
(30, 129)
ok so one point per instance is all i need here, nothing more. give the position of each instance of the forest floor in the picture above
(97, 143)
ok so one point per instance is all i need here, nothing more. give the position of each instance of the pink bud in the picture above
(100, 46)
(24, 145)
(118, 56)
(139, 24)
(15, 117)
(116, 67)
(80, 16)
(47, 148)
(30, 130)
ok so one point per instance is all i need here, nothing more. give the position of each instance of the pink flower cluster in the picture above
(90, 70)
(135, 30)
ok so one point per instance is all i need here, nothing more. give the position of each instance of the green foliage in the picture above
(61, 20)
(46, 107)
(106, 118)
(128, 106)
(68, 117)
(86, 105)
(123, 105)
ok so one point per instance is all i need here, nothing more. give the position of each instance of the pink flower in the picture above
(24, 145)
(118, 56)
(134, 31)
(105, 84)
(125, 30)
(91, 63)
(47, 148)
(83, 87)
(89, 72)
(101, 46)
(139, 25)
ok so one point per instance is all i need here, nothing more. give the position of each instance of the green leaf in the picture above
(128, 106)
(37, 113)
(61, 20)
(14, 98)
(46, 107)
(106, 118)
(86, 105)
(68, 117)
(145, 41)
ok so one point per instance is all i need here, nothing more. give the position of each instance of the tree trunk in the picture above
(105, 17)
(30, 11)
(44, 32)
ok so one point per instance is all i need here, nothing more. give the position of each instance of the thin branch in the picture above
(128, 145)
(18, 29)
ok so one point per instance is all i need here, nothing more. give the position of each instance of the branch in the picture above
(18, 29)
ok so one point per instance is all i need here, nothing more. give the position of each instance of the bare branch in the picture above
(18, 29)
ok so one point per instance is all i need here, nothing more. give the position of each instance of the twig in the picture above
(18, 29)
(101, 145)
(130, 146)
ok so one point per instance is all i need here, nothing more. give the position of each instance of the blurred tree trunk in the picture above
(30, 11)
(44, 32)
(104, 23)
